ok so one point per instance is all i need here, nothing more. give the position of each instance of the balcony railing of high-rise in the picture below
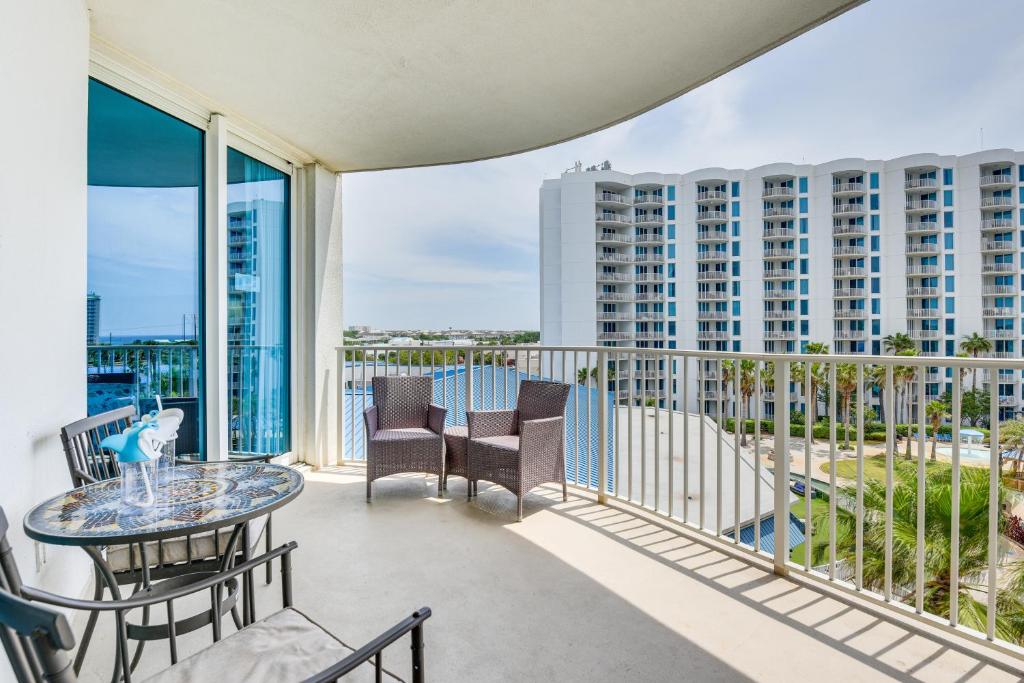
(865, 505)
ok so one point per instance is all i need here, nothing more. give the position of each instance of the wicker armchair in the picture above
(522, 448)
(404, 431)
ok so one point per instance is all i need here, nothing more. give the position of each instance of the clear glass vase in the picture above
(139, 483)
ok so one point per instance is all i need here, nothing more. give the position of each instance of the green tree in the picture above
(747, 370)
(903, 377)
(936, 411)
(846, 387)
(974, 507)
(1011, 435)
(896, 342)
(817, 380)
(582, 375)
(974, 345)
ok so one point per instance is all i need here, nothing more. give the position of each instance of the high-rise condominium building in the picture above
(92, 318)
(773, 258)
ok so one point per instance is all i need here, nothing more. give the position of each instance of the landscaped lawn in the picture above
(874, 467)
(818, 506)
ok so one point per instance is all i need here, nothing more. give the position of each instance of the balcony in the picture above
(648, 199)
(993, 333)
(615, 336)
(615, 296)
(608, 237)
(849, 230)
(847, 189)
(849, 293)
(851, 335)
(614, 258)
(712, 197)
(712, 217)
(923, 270)
(925, 248)
(705, 235)
(780, 315)
(1000, 203)
(712, 315)
(999, 312)
(922, 292)
(779, 213)
(997, 246)
(648, 277)
(649, 257)
(650, 219)
(779, 254)
(780, 335)
(649, 238)
(924, 334)
(849, 313)
(778, 192)
(1007, 401)
(615, 277)
(927, 313)
(777, 294)
(779, 273)
(999, 290)
(997, 181)
(779, 233)
(852, 271)
(921, 206)
(712, 295)
(612, 199)
(846, 210)
(998, 224)
(712, 256)
(648, 316)
(613, 219)
(998, 268)
(712, 335)
(649, 296)
(854, 250)
(920, 184)
(712, 276)
(616, 315)
(923, 228)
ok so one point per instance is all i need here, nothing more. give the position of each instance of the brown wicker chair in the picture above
(522, 448)
(404, 430)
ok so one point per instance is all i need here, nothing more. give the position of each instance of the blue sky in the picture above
(457, 245)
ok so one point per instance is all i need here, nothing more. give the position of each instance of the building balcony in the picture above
(712, 276)
(649, 296)
(613, 219)
(852, 271)
(778, 192)
(610, 237)
(849, 293)
(649, 238)
(923, 228)
(612, 199)
(847, 210)
(648, 199)
(999, 290)
(650, 219)
(923, 184)
(849, 230)
(648, 277)
(780, 335)
(712, 315)
(993, 333)
(615, 277)
(614, 258)
(848, 250)
(616, 315)
(712, 217)
(1001, 354)
(712, 295)
(712, 197)
(779, 254)
(926, 313)
(615, 336)
(999, 312)
(713, 256)
(848, 189)
(998, 203)
(648, 316)
(1000, 181)
(779, 315)
(649, 257)
(998, 224)
(925, 248)
(1007, 401)
(615, 296)
(706, 235)
(779, 233)
(922, 292)
(921, 206)
(779, 294)
(712, 335)
(779, 213)
(924, 334)
(649, 335)
(843, 335)
(780, 273)
(849, 313)
(998, 246)
(998, 268)
(923, 270)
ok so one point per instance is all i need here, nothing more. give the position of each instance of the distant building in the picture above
(92, 318)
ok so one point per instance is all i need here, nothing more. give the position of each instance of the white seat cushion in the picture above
(286, 646)
(175, 550)
(505, 443)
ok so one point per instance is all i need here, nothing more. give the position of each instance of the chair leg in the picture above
(368, 484)
(91, 623)
(565, 495)
(440, 485)
(519, 508)
(270, 546)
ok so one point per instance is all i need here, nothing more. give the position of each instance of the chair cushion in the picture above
(286, 646)
(407, 434)
(175, 550)
(505, 443)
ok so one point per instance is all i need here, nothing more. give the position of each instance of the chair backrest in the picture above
(541, 399)
(87, 462)
(35, 637)
(402, 401)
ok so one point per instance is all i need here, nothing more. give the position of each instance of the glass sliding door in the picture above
(145, 226)
(259, 392)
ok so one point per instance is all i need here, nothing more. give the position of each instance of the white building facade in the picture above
(777, 257)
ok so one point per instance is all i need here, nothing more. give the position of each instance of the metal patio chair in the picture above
(404, 430)
(523, 448)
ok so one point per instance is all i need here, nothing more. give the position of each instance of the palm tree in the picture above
(974, 508)
(846, 385)
(936, 411)
(747, 377)
(1011, 434)
(582, 375)
(817, 380)
(903, 376)
(877, 378)
(896, 342)
(975, 345)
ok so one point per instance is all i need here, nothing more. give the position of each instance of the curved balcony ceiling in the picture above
(398, 83)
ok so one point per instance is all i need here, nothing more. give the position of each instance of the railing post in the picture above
(467, 374)
(782, 467)
(602, 426)
(340, 417)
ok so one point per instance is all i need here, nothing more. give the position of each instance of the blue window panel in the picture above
(1021, 190)
(803, 226)
(1022, 215)
(873, 201)
(876, 326)
(736, 327)
(876, 347)
(803, 245)
(873, 180)
(671, 270)
(671, 212)
(671, 289)
(736, 307)
(671, 328)
(671, 231)
(950, 285)
(671, 193)
(671, 250)
(950, 327)
(803, 266)
(876, 307)
(875, 223)
(671, 308)
(874, 243)
(876, 285)
(735, 248)
(803, 306)
(951, 304)
(876, 265)
(735, 209)
(947, 219)
(947, 197)
(803, 205)
(735, 188)
(947, 240)
(802, 182)
(736, 345)
(735, 228)
(947, 176)
(804, 328)
(1020, 173)
(671, 343)
(735, 268)
(949, 262)
(735, 289)
(803, 286)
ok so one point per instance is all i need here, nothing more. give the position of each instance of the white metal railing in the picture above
(648, 315)
(779, 294)
(712, 335)
(922, 291)
(850, 250)
(1001, 312)
(712, 195)
(847, 208)
(612, 197)
(712, 315)
(615, 336)
(649, 219)
(779, 335)
(998, 268)
(786, 314)
(780, 191)
(991, 290)
(998, 245)
(649, 257)
(846, 188)
(712, 295)
(924, 334)
(649, 198)
(615, 315)
(923, 226)
(614, 296)
(648, 277)
(614, 258)
(713, 216)
(993, 333)
(923, 249)
(997, 223)
(996, 202)
(923, 313)
(779, 273)
(780, 253)
(1000, 179)
(849, 292)
(849, 334)
(921, 204)
(775, 233)
(849, 313)
(926, 269)
(613, 218)
(712, 276)
(852, 271)
(713, 235)
(839, 230)
(918, 183)
(679, 456)
(712, 255)
(779, 212)
(616, 237)
(616, 277)
(649, 238)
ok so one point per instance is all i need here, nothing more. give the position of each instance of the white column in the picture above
(216, 290)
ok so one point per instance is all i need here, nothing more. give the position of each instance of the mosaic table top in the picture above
(195, 498)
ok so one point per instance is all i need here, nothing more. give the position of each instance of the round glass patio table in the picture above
(194, 499)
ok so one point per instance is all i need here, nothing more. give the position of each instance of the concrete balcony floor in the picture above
(576, 592)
